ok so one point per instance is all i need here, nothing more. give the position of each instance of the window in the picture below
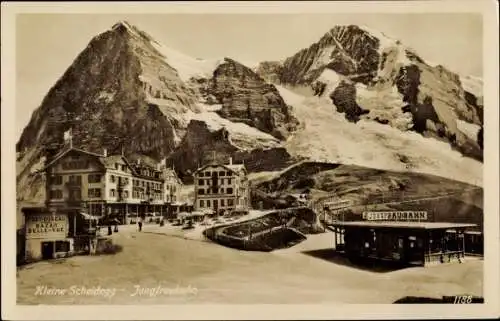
(207, 174)
(56, 180)
(230, 190)
(124, 168)
(228, 173)
(222, 203)
(230, 202)
(222, 190)
(94, 178)
(201, 191)
(200, 182)
(202, 203)
(112, 178)
(215, 203)
(214, 190)
(222, 173)
(75, 179)
(117, 166)
(55, 194)
(94, 192)
(125, 194)
(112, 193)
(229, 181)
(208, 203)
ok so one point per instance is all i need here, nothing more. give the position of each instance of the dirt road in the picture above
(190, 271)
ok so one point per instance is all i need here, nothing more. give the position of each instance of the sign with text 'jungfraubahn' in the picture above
(395, 216)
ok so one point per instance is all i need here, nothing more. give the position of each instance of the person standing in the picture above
(139, 222)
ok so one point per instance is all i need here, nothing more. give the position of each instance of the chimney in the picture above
(105, 152)
(230, 161)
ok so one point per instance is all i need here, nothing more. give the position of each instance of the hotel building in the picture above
(221, 187)
(108, 184)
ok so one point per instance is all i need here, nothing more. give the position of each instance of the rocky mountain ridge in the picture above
(368, 75)
(127, 90)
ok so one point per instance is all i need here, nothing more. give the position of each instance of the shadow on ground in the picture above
(373, 266)
(448, 299)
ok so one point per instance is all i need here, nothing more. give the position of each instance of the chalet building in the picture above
(108, 184)
(221, 187)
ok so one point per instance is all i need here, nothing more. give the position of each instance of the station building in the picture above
(409, 240)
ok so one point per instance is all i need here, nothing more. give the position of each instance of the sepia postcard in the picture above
(250, 160)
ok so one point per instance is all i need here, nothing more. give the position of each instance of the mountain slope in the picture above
(127, 90)
(326, 136)
(368, 75)
(375, 103)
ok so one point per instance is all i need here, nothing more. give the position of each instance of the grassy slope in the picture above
(367, 186)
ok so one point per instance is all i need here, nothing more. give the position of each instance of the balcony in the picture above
(73, 184)
(74, 202)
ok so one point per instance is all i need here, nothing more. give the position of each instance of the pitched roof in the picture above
(111, 160)
(234, 167)
(66, 151)
(404, 224)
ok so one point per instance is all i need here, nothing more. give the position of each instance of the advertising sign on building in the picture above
(395, 216)
(46, 226)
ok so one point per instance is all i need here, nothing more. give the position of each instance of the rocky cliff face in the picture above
(202, 145)
(109, 95)
(246, 97)
(367, 75)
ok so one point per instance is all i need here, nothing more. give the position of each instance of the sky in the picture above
(47, 44)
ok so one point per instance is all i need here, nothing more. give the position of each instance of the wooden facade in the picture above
(407, 243)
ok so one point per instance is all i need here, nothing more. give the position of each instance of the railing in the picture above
(73, 183)
(122, 183)
(443, 257)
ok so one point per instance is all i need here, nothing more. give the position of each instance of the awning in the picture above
(90, 217)
(198, 213)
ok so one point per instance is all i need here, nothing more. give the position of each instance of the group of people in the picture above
(142, 218)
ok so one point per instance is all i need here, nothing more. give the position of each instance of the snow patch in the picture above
(331, 79)
(468, 129)
(327, 136)
(187, 66)
(289, 96)
(385, 41)
(472, 84)
(246, 136)
(106, 96)
(323, 58)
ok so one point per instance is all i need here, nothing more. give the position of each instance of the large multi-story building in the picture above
(221, 187)
(108, 184)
